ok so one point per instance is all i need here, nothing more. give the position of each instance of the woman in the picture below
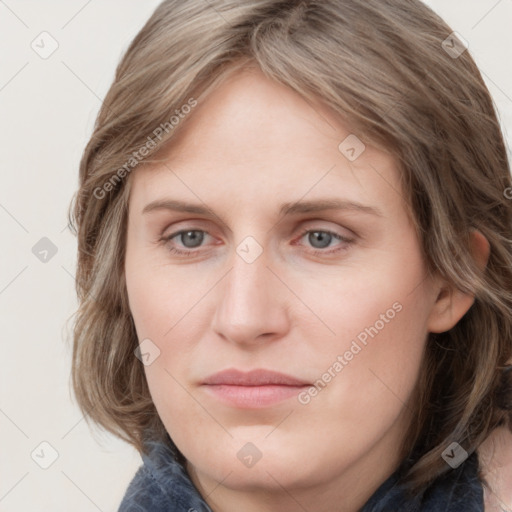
(301, 298)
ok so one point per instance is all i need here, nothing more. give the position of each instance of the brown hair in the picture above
(383, 67)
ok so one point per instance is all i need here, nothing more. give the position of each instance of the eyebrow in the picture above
(285, 209)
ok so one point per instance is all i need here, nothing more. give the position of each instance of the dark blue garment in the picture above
(458, 490)
(161, 484)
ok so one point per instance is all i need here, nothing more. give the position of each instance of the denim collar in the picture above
(161, 484)
(457, 490)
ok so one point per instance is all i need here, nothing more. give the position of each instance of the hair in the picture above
(380, 65)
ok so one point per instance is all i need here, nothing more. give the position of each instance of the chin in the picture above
(252, 465)
(267, 475)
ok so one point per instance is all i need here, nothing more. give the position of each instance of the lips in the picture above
(253, 389)
(253, 378)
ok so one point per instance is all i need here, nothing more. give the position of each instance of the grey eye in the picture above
(319, 239)
(191, 239)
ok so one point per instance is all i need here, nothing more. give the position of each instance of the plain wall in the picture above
(47, 111)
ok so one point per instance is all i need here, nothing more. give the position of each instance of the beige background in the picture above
(47, 110)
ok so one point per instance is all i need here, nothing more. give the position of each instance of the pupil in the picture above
(318, 236)
(195, 237)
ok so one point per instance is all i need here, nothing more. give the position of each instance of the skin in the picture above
(495, 455)
(249, 147)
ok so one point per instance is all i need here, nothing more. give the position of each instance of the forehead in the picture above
(253, 141)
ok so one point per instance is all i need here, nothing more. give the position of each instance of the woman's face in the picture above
(297, 257)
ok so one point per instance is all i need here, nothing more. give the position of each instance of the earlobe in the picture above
(452, 304)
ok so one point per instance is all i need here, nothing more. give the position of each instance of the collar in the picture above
(457, 490)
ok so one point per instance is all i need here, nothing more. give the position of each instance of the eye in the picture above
(192, 238)
(189, 238)
(321, 239)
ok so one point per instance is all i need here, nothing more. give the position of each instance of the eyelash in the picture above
(316, 252)
(323, 252)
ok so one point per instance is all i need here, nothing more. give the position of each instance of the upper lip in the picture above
(259, 377)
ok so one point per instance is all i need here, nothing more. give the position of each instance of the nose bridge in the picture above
(249, 305)
(246, 282)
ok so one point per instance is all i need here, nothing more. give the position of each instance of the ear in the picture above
(451, 304)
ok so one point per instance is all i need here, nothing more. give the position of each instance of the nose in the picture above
(251, 304)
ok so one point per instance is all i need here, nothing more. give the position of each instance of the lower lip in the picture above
(253, 397)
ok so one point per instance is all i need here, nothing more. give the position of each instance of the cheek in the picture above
(182, 415)
(364, 378)
(166, 308)
(372, 362)
(381, 307)
(162, 299)
(374, 366)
